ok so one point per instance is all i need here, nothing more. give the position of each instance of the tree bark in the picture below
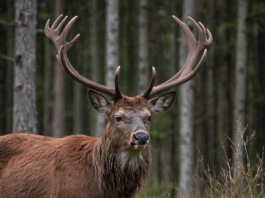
(58, 89)
(186, 115)
(79, 98)
(112, 48)
(10, 69)
(112, 45)
(99, 117)
(210, 20)
(25, 113)
(78, 108)
(240, 70)
(143, 47)
(47, 106)
(173, 67)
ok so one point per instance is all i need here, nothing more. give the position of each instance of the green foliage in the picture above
(44, 15)
(257, 12)
(153, 190)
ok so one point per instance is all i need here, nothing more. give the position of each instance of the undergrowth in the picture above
(239, 179)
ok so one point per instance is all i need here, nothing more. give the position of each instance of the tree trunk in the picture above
(58, 88)
(47, 106)
(143, 47)
(240, 70)
(10, 69)
(78, 108)
(210, 18)
(112, 45)
(79, 98)
(25, 113)
(112, 48)
(186, 107)
(99, 117)
(173, 67)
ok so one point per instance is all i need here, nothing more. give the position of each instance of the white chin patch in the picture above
(131, 160)
(138, 147)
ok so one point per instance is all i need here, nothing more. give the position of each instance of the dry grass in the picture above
(240, 179)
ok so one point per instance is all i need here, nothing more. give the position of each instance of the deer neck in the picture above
(120, 170)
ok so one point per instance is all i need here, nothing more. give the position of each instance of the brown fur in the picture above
(76, 166)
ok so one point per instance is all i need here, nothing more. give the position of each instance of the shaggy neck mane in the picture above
(121, 174)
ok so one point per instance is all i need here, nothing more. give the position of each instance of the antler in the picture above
(194, 48)
(63, 47)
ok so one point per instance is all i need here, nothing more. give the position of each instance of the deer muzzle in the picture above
(140, 138)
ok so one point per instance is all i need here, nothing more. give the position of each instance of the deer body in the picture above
(112, 166)
(75, 166)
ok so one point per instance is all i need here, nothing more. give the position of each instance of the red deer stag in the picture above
(112, 166)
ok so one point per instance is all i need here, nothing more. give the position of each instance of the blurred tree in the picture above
(186, 102)
(78, 108)
(112, 41)
(240, 70)
(112, 50)
(10, 68)
(100, 118)
(174, 109)
(78, 113)
(224, 45)
(58, 122)
(25, 113)
(210, 22)
(47, 107)
(143, 47)
(47, 102)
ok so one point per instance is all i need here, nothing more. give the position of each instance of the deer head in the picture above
(130, 118)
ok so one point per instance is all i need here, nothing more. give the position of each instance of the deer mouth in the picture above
(138, 146)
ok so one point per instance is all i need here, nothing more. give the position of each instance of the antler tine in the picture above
(117, 87)
(63, 47)
(57, 21)
(59, 27)
(194, 48)
(200, 29)
(210, 39)
(150, 87)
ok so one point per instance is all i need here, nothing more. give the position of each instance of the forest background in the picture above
(137, 35)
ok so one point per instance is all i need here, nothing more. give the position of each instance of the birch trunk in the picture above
(10, 69)
(112, 45)
(25, 113)
(143, 47)
(58, 89)
(99, 117)
(112, 48)
(240, 70)
(186, 107)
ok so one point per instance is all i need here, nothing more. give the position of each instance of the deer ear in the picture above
(161, 103)
(99, 102)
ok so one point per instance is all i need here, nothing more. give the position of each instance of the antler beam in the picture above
(63, 47)
(194, 48)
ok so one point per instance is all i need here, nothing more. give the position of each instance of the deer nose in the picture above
(141, 138)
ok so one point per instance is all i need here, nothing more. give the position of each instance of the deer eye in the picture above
(149, 118)
(118, 119)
